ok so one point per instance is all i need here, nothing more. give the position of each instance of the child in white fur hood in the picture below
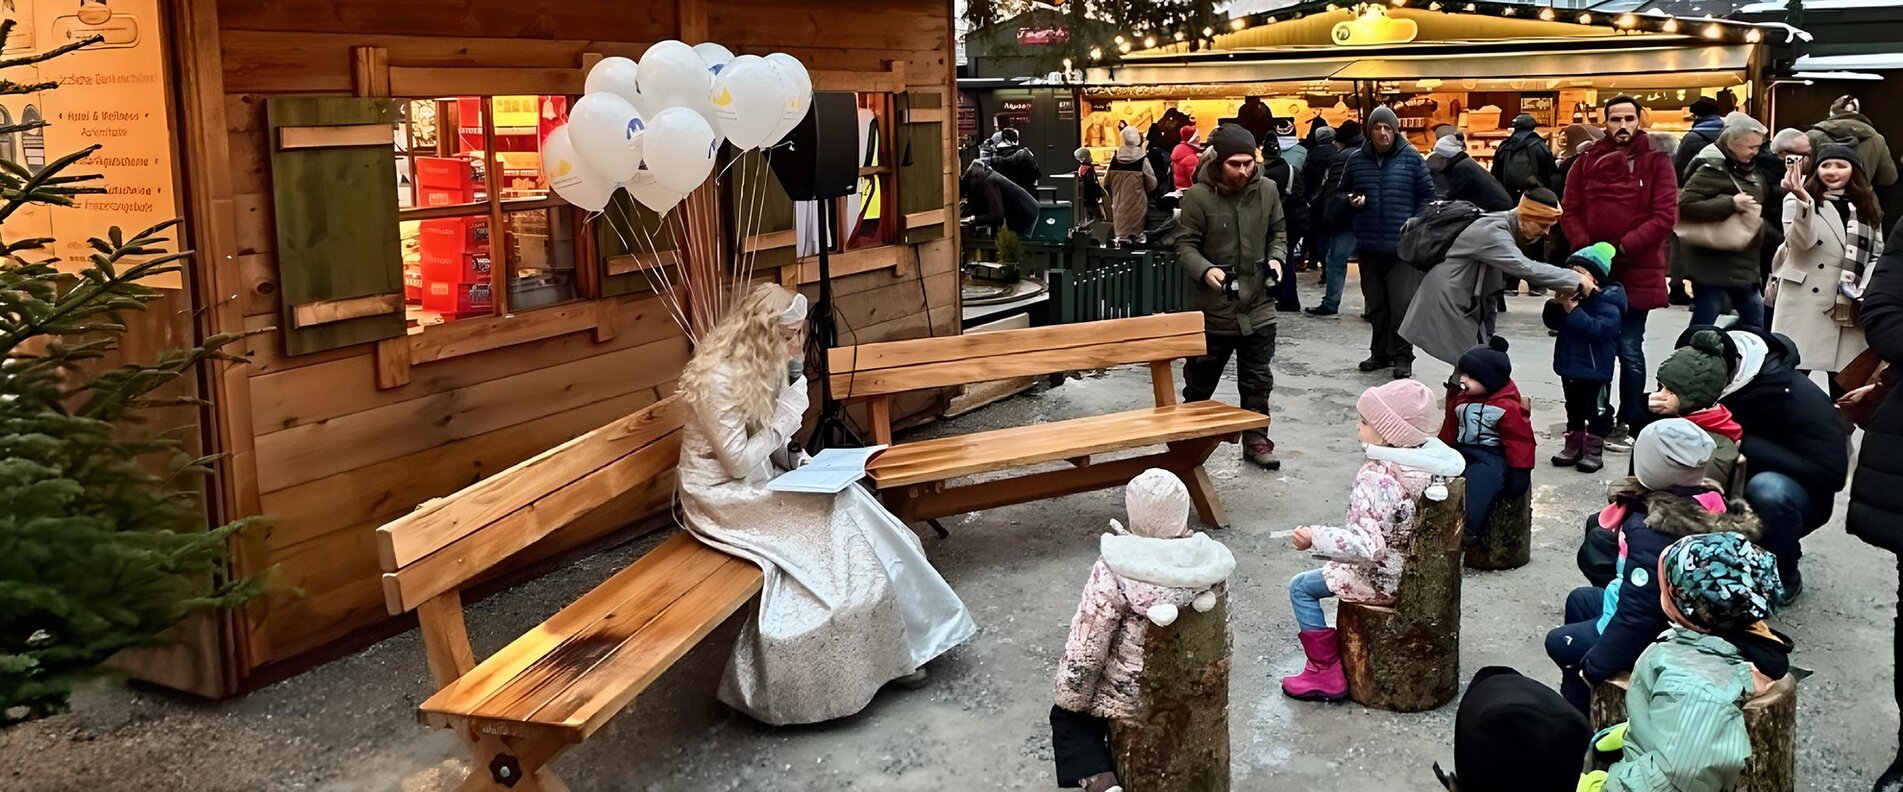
(1405, 462)
(1148, 573)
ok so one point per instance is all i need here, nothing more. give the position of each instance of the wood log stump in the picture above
(1508, 542)
(1405, 657)
(1770, 719)
(1181, 741)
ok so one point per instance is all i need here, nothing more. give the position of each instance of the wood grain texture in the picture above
(291, 138)
(327, 311)
(520, 19)
(899, 354)
(445, 638)
(1003, 449)
(1406, 657)
(312, 451)
(468, 337)
(438, 523)
(1508, 540)
(431, 81)
(862, 383)
(1180, 737)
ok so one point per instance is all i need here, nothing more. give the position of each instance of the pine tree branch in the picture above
(71, 46)
(39, 180)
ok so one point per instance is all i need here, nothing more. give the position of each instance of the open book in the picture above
(833, 470)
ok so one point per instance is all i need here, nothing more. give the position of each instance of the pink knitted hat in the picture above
(1402, 412)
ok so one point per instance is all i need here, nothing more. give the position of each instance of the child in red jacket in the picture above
(1491, 425)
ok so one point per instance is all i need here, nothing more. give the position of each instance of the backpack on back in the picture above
(1426, 237)
(1518, 168)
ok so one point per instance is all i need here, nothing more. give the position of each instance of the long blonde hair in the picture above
(746, 344)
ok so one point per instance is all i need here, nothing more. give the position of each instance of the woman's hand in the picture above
(1303, 538)
(1745, 203)
(1794, 183)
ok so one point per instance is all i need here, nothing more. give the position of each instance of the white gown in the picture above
(849, 602)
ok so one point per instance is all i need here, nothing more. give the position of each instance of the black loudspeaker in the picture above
(822, 161)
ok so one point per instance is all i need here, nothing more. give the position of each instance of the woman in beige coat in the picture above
(1129, 181)
(1832, 227)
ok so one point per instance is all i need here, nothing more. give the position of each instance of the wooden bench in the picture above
(912, 476)
(563, 679)
(1508, 543)
(1405, 657)
(1770, 720)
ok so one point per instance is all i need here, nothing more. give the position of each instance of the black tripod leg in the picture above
(936, 526)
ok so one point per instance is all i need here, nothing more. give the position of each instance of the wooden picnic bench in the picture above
(912, 476)
(561, 681)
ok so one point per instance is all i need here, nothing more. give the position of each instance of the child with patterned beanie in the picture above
(1365, 555)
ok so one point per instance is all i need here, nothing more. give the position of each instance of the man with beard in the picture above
(1233, 242)
(1622, 191)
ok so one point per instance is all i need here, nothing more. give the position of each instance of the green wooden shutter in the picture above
(626, 227)
(922, 169)
(340, 263)
(761, 206)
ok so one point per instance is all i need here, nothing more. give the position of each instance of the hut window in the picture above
(32, 141)
(870, 217)
(482, 233)
(6, 138)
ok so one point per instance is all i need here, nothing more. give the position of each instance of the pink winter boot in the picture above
(1321, 679)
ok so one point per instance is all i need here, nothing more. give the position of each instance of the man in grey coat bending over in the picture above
(1453, 310)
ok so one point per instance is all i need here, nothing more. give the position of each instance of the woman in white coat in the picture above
(1832, 237)
(850, 602)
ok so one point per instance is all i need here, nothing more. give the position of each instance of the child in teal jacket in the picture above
(1685, 703)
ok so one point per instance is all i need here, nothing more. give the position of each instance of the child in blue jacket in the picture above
(1586, 354)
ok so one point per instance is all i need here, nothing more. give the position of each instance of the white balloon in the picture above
(615, 75)
(750, 102)
(715, 56)
(799, 93)
(672, 75)
(680, 148)
(607, 132)
(570, 177)
(653, 194)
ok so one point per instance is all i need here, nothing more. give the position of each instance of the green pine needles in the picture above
(103, 541)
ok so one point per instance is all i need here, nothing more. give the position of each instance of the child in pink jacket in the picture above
(1148, 574)
(1365, 555)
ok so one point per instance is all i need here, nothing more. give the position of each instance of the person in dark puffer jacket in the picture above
(1669, 498)
(1876, 495)
(1586, 354)
(1383, 183)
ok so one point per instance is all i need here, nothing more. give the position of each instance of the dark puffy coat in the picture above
(1771, 170)
(1524, 145)
(1460, 178)
(1632, 206)
(1704, 132)
(1588, 343)
(1876, 496)
(1018, 164)
(1633, 617)
(1398, 187)
(1790, 425)
(993, 200)
(1707, 198)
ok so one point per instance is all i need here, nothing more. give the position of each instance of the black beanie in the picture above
(1488, 364)
(1838, 151)
(1513, 734)
(1230, 139)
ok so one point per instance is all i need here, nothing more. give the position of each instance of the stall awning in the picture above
(1650, 60)
(1239, 71)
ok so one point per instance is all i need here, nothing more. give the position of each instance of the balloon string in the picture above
(662, 290)
(757, 207)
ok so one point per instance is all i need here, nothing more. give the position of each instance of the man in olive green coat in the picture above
(1232, 242)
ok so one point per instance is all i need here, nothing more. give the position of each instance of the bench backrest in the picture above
(448, 541)
(871, 370)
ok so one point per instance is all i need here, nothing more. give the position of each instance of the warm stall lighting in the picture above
(1238, 24)
(1209, 31)
(1470, 8)
(1180, 35)
(1435, 6)
(1585, 19)
(1547, 14)
(1124, 47)
(1508, 11)
(1712, 31)
(1670, 26)
(1754, 36)
(1628, 20)
(1096, 53)
(1119, 39)
(1400, 3)
(1149, 41)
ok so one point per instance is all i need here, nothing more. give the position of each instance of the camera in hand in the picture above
(1231, 288)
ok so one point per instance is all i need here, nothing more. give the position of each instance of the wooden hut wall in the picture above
(326, 454)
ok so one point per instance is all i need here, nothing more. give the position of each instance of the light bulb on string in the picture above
(1627, 20)
(1670, 26)
(1209, 31)
(1238, 24)
(1585, 19)
(1712, 31)
(1149, 41)
(1754, 35)
(1546, 14)
(1096, 53)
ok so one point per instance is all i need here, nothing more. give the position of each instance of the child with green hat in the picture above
(1586, 353)
(1690, 383)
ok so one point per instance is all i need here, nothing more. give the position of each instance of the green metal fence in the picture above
(1089, 282)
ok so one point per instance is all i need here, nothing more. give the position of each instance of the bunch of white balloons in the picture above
(654, 127)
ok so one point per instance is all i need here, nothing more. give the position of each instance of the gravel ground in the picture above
(980, 724)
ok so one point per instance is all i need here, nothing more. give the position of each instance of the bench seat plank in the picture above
(601, 651)
(936, 460)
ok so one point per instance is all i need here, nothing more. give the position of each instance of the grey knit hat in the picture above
(1384, 115)
(1449, 146)
(1671, 453)
(1230, 139)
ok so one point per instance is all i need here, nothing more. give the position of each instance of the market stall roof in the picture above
(1732, 61)
(1232, 71)
(1879, 61)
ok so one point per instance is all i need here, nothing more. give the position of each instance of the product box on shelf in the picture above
(412, 281)
(458, 300)
(444, 181)
(467, 268)
(454, 236)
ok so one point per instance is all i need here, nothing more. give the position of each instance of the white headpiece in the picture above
(795, 313)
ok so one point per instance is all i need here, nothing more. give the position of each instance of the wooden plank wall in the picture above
(334, 456)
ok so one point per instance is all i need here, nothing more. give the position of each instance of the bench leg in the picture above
(517, 764)
(940, 528)
(1188, 457)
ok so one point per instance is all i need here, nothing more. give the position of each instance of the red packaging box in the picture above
(458, 300)
(412, 282)
(453, 236)
(444, 181)
(467, 268)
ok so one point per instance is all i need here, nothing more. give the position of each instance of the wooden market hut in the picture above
(358, 403)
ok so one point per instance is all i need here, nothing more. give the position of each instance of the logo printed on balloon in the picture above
(563, 168)
(723, 99)
(635, 126)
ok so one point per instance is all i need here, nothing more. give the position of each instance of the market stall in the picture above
(1470, 66)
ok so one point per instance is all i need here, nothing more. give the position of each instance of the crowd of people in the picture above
(1735, 452)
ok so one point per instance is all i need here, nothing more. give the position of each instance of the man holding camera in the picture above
(1232, 242)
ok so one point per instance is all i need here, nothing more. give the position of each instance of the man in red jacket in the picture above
(1623, 191)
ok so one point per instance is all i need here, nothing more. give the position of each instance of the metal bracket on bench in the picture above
(506, 770)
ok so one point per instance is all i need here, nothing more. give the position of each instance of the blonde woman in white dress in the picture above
(850, 602)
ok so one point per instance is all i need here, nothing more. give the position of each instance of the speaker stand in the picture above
(832, 430)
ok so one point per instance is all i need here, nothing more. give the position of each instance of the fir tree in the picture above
(103, 544)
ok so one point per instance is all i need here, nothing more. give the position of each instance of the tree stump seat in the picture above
(1508, 542)
(1770, 719)
(1405, 656)
(1181, 741)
